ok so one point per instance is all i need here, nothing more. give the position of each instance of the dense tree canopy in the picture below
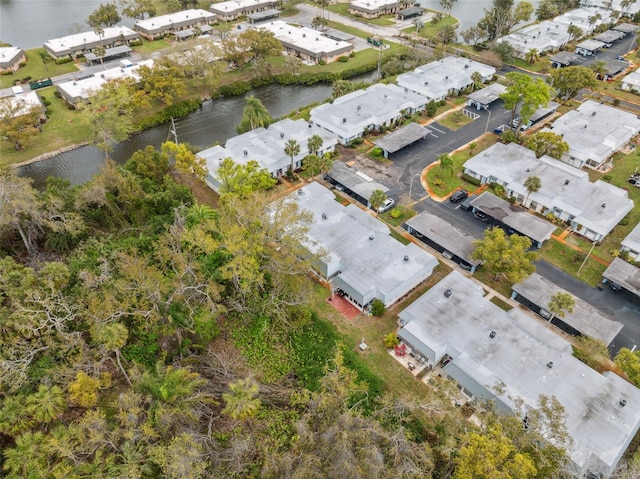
(524, 95)
(507, 256)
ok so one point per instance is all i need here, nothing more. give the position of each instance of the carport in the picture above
(483, 98)
(515, 217)
(563, 59)
(109, 54)
(588, 47)
(535, 293)
(263, 15)
(609, 37)
(401, 138)
(444, 238)
(624, 274)
(353, 182)
(410, 12)
(614, 67)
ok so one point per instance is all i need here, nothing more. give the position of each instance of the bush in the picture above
(343, 59)
(136, 43)
(237, 88)
(431, 109)
(177, 110)
(391, 340)
(471, 179)
(358, 141)
(377, 152)
(62, 61)
(395, 213)
(321, 62)
(606, 178)
(377, 307)
(26, 79)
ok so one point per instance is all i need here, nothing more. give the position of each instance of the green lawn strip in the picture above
(455, 120)
(569, 260)
(149, 47)
(449, 182)
(541, 66)
(397, 236)
(613, 89)
(64, 127)
(384, 21)
(501, 304)
(502, 285)
(430, 30)
(348, 29)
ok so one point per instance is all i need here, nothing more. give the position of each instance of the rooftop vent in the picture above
(324, 216)
(281, 135)
(593, 113)
(623, 402)
(406, 258)
(492, 334)
(467, 65)
(304, 35)
(245, 152)
(447, 77)
(300, 192)
(344, 120)
(603, 205)
(426, 83)
(371, 238)
(310, 125)
(566, 182)
(550, 364)
(447, 293)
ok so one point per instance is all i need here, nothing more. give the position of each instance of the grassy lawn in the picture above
(450, 182)
(430, 30)
(398, 381)
(568, 260)
(455, 120)
(502, 285)
(64, 127)
(343, 9)
(149, 47)
(36, 69)
(348, 29)
(613, 89)
(541, 66)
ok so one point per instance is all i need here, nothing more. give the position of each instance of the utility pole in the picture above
(593, 245)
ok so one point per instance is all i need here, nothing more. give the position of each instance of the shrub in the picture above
(343, 59)
(471, 179)
(376, 152)
(442, 102)
(135, 43)
(321, 62)
(26, 79)
(431, 108)
(377, 307)
(391, 340)
(22, 64)
(358, 141)
(395, 213)
(606, 178)
(61, 61)
(237, 88)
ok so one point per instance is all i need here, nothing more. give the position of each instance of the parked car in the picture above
(481, 215)
(458, 196)
(614, 286)
(466, 204)
(545, 314)
(387, 205)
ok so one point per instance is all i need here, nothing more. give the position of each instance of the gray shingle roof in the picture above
(402, 137)
(625, 274)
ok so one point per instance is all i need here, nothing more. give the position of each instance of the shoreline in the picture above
(50, 154)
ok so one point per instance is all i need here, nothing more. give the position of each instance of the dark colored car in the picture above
(466, 204)
(458, 196)
(480, 215)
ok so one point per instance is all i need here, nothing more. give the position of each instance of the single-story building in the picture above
(83, 89)
(511, 359)
(156, 27)
(401, 138)
(631, 82)
(594, 132)
(233, 9)
(375, 107)
(353, 183)
(613, 5)
(589, 47)
(613, 67)
(563, 59)
(624, 275)
(453, 243)
(361, 259)
(535, 293)
(24, 103)
(546, 36)
(338, 35)
(609, 37)
(120, 51)
(85, 42)
(583, 18)
(266, 147)
(11, 58)
(483, 98)
(631, 244)
(375, 8)
(515, 217)
(310, 45)
(449, 76)
(591, 209)
(263, 16)
(188, 33)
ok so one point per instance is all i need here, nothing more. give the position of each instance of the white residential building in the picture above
(82, 90)
(591, 209)
(11, 58)
(594, 132)
(375, 8)
(361, 259)
(631, 82)
(585, 18)
(511, 360)
(266, 147)
(615, 5)
(22, 104)
(231, 10)
(631, 244)
(155, 27)
(85, 42)
(370, 109)
(545, 36)
(449, 76)
(310, 45)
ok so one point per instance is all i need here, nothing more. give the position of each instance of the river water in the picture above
(214, 122)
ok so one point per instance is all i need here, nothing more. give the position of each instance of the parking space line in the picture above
(434, 136)
(431, 127)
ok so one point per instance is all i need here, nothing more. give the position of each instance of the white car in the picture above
(387, 205)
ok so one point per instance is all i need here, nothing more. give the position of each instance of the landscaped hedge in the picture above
(237, 88)
(178, 110)
(471, 179)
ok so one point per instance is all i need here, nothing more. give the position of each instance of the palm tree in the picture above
(600, 69)
(314, 144)
(377, 199)
(241, 402)
(446, 163)
(532, 56)
(46, 404)
(113, 337)
(472, 147)
(574, 32)
(254, 115)
(292, 149)
(200, 213)
(532, 184)
(560, 303)
(476, 78)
